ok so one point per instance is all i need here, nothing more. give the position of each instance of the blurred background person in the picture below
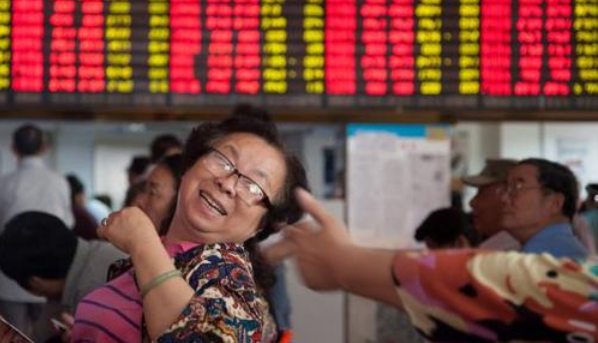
(85, 224)
(590, 209)
(446, 228)
(486, 205)
(159, 195)
(164, 145)
(539, 203)
(134, 194)
(137, 170)
(42, 255)
(31, 187)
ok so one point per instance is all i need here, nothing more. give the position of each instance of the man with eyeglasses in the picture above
(486, 205)
(539, 203)
(590, 212)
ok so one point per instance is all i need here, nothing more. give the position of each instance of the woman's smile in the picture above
(212, 204)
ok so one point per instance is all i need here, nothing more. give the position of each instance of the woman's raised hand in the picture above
(127, 229)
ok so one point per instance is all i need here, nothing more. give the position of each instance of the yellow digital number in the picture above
(314, 87)
(275, 74)
(276, 36)
(315, 48)
(159, 87)
(431, 88)
(119, 46)
(118, 59)
(159, 20)
(120, 86)
(271, 10)
(275, 48)
(469, 74)
(118, 20)
(158, 47)
(275, 87)
(158, 60)
(469, 87)
(158, 8)
(118, 33)
(120, 7)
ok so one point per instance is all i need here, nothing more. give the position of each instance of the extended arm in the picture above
(329, 260)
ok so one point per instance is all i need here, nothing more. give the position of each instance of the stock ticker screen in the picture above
(420, 54)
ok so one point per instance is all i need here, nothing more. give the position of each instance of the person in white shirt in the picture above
(486, 205)
(31, 187)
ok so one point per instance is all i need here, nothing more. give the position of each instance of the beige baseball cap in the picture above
(495, 170)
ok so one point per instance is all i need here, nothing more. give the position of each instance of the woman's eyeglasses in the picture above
(247, 189)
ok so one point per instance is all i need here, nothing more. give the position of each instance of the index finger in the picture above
(310, 205)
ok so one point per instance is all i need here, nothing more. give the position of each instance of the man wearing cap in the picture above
(486, 205)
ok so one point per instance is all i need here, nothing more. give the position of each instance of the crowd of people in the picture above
(182, 261)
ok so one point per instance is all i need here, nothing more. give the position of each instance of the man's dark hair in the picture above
(559, 179)
(284, 209)
(28, 140)
(36, 244)
(161, 144)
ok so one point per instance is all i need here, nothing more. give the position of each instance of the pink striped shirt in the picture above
(113, 313)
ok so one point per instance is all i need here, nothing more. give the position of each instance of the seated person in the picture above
(40, 253)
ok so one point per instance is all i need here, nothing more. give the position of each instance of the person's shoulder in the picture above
(225, 261)
(214, 252)
(49, 176)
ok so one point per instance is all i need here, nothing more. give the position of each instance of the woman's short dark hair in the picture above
(36, 244)
(285, 209)
(559, 179)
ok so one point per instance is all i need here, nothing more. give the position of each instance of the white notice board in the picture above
(396, 175)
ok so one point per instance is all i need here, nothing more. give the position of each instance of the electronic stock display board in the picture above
(416, 54)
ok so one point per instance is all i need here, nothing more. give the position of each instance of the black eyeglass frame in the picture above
(235, 171)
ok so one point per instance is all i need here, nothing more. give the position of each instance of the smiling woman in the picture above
(204, 281)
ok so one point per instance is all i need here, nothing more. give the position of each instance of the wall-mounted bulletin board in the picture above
(396, 175)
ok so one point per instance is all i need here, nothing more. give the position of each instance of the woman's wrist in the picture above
(142, 245)
(150, 258)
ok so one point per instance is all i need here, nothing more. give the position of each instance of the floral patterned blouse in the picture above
(227, 306)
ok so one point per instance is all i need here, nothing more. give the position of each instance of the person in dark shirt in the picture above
(85, 224)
